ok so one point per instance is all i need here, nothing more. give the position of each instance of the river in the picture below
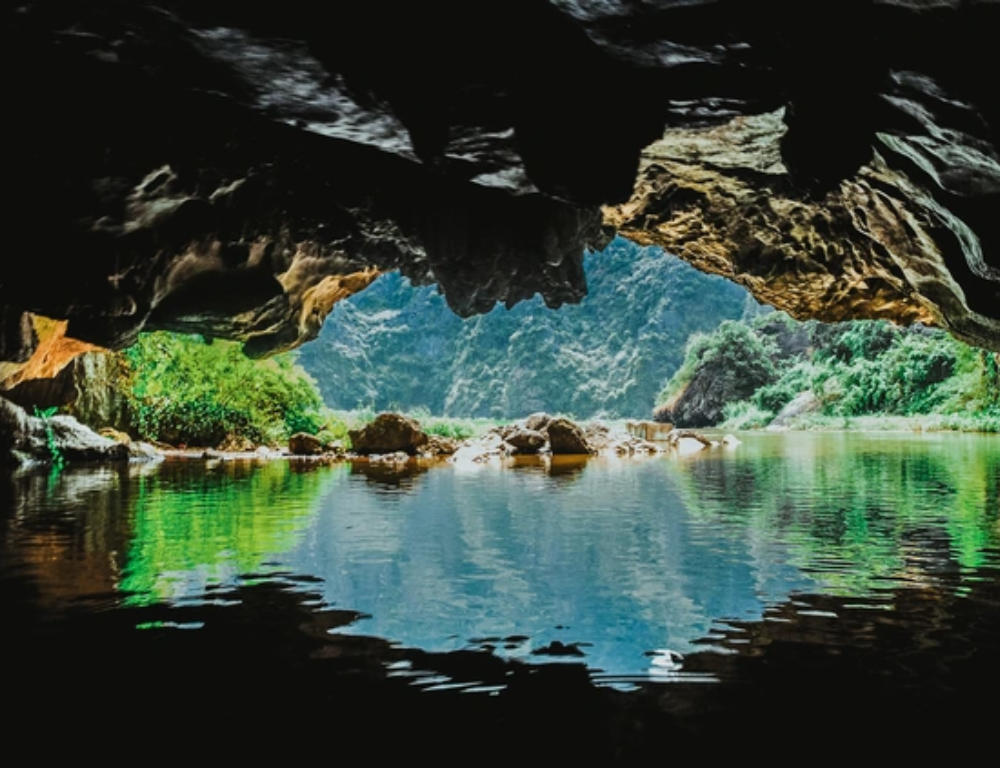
(601, 609)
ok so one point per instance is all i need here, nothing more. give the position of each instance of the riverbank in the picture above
(886, 423)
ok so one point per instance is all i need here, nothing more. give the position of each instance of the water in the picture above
(629, 605)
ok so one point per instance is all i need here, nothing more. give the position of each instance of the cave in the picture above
(234, 171)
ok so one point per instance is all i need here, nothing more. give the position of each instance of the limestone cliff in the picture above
(233, 169)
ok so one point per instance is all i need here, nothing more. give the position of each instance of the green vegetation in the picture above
(51, 443)
(650, 324)
(840, 501)
(182, 390)
(854, 370)
(218, 526)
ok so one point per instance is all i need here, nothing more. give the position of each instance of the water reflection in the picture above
(628, 567)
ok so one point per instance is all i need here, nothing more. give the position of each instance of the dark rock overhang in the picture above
(234, 169)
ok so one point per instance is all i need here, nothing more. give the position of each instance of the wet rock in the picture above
(142, 451)
(649, 430)
(566, 437)
(526, 441)
(388, 433)
(304, 444)
(489, 447)
(610, 441)
(438, 445)
(688, 441)
(537, 421)
(52, 438)
(396, 457)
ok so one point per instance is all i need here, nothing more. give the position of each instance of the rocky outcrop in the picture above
(234, 169)
(699, 403)
(388, 433)
(55, 438)
(876, 245)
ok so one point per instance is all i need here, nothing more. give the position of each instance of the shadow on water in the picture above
(222, 610)
(266, 673)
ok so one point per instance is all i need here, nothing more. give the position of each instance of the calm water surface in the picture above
(792, 567)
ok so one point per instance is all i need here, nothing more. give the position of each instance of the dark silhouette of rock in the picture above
(558, 648)
(388, 433)
(235, 172)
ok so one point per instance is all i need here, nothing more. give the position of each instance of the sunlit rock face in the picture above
(234, 169)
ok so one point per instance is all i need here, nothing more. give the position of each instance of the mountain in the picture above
(399, 347)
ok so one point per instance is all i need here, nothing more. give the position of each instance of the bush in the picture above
(854, 340)
(181, 389)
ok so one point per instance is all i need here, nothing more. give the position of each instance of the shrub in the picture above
(181, 389)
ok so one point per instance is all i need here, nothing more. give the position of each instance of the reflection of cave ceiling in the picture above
(233, 170)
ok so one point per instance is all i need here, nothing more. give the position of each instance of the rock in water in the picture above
(304, 444)
(388, 433)
(565, 437)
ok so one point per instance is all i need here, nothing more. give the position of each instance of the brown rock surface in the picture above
(565, 437)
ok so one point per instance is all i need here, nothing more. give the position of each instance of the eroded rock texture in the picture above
(233, 169)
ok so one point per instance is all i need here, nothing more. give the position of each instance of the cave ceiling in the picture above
(235, 169)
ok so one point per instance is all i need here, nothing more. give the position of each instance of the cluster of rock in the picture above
(542, 434)
(389, 438)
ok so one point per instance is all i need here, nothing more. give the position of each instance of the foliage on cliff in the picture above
(396, 347)
(746, 372)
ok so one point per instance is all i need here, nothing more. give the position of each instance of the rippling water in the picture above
(792, 557)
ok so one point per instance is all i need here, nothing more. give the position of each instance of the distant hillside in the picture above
(397, 347)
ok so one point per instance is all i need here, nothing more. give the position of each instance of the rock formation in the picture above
(234, 169)
(53, 439)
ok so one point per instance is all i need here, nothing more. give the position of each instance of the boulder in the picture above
(388, 433)
(526, 441)
(688, 441)
(537, 421)
(566, 437)
(304, 444)
(649, 430)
